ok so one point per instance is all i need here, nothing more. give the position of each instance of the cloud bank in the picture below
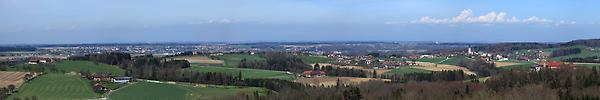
(467, 17)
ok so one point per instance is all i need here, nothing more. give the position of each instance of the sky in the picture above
(143, 21)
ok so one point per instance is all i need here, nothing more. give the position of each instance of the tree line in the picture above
(564, 52)
(276, 61)
(445, 75)
(548, 84)
(482, 68)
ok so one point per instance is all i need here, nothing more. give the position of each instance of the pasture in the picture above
(163, 91)
(57, 87)
(246, 73)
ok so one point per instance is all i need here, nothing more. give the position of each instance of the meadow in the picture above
(57, 87)
(314, 59)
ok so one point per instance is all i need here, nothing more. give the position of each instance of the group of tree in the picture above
(592, 59)
(6, 91)
(482, 68)
(341, 72)
(38, 68)
(548, 84)
(276, 61)
(112, 58)
(564, 52)
(445, 75)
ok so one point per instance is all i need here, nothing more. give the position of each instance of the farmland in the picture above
(14, 78)
(232, 60)
(162, 91)
(201, 60)
(57, 87)
(440, 67)
(246, 73)
(439, 60)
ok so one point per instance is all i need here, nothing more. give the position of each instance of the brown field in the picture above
(331, 81)
(14, 78)
(502, 64)
(440, 67)
(200, 59)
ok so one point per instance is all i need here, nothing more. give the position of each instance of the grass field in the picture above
(161, 91)
(246, 73)
(57, 87)
(314, 59)
(405, 70)
(76, 66)
(232, 60)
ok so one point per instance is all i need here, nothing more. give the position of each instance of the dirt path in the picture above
(440, 67)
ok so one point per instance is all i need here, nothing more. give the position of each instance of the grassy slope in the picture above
(314, 59)
(157, 91)
(232, 60)
(76, 66)
(57, 87)
(406, 70)
(246, 73)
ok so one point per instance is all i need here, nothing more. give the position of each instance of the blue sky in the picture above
(123, 21)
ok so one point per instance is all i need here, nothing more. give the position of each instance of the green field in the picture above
(405, 70)
(69, 66)
(232, 60)
(246, 73)
(162, 91)
(314, 59)
(57, 87)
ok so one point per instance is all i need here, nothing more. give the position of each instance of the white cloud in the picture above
(468, 17)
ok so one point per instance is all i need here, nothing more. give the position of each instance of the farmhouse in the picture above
(101, 76)
(551, 65)
(313, 73)
(121, 80)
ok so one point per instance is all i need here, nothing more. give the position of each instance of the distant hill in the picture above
(585, 42)
(513, 46)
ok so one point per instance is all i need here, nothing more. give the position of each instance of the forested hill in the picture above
(507, 47)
